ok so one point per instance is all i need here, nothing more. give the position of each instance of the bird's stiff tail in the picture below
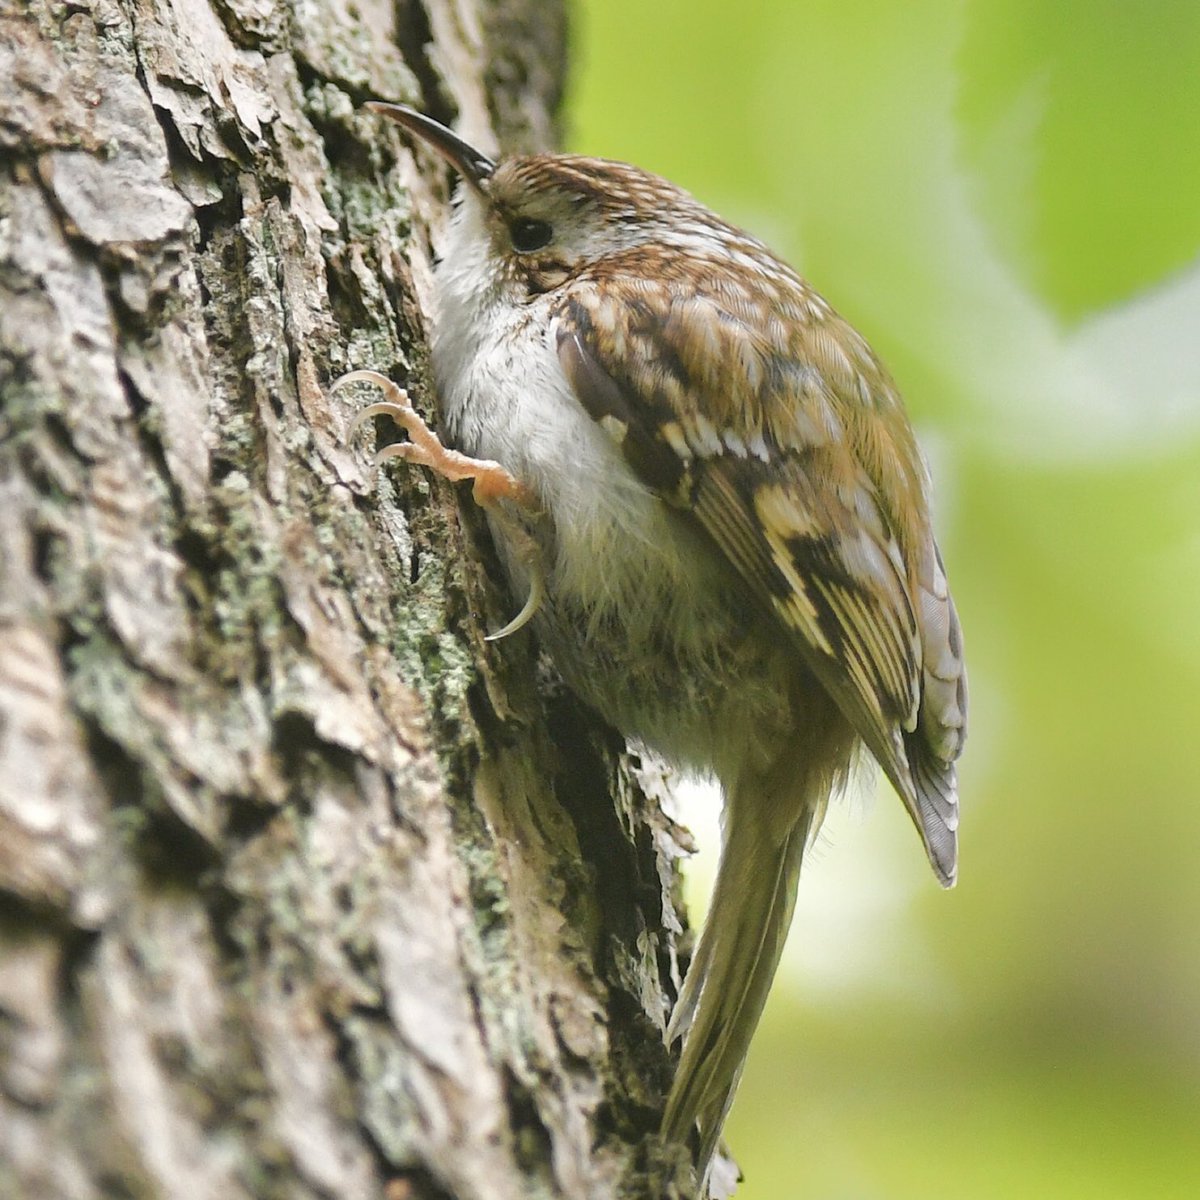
(731, 972)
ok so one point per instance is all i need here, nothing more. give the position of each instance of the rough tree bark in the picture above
(305, 890)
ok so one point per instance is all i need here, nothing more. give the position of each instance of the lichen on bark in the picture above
(305, 889)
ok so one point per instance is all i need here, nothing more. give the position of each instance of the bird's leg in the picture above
(491, 482)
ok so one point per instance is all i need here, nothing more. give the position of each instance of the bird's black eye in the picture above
(529, 234)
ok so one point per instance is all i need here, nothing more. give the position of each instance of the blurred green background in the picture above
(1004, 196)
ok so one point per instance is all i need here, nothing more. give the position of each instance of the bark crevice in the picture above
(305, 889)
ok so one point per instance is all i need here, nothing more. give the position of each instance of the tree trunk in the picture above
(305, 889)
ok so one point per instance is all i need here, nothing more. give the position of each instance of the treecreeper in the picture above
(704, 486)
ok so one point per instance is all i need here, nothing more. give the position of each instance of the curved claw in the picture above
(405, 451)
(384, 408)
(363, 375)
(395, 406)
(537, 593)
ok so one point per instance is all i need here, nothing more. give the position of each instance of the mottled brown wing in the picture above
(745, 420)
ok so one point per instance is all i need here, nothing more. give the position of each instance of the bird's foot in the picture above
(491, 483)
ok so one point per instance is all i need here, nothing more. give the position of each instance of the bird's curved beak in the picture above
(474, 167)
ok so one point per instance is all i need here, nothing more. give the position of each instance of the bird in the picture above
(706, 485)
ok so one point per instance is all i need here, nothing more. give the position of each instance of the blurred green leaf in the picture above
(1082, 121)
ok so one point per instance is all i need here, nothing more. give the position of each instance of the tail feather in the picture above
(935, 785)
(731, 973)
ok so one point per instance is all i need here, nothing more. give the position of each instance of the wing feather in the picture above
(774, 450)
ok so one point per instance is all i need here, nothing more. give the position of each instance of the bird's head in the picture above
(530, 224)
